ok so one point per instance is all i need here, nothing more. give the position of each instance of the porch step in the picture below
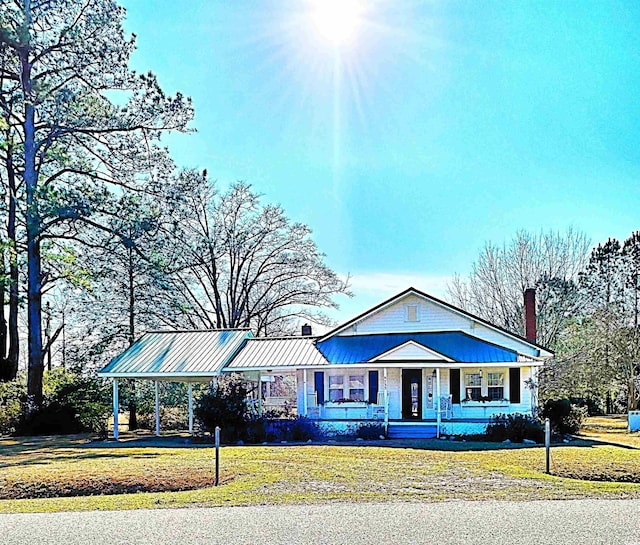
(411, 431)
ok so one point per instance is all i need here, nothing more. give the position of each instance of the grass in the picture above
(611, 429)
(71, 473)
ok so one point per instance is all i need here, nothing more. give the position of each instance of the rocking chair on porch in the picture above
(446, 407)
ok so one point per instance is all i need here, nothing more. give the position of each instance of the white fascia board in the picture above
(393, 365)
(162, 376)
(421, 347)
(274, 368)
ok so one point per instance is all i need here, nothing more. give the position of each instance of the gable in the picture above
(411, 350)
(414, 311)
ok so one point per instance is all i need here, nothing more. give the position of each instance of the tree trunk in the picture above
(14, 340)
(9, 336)
(34, 266)
(4, 364)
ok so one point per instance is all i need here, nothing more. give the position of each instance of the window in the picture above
(411, 313)
(473, 386)
(350, 387)
(336, 388)
(356, 387)
(495, 385)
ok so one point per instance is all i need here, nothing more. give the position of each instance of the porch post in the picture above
(116, 404)
(190, 393)
(259, 393)
(304, 392)
(438, 402)
(386, 400)
(157, 388)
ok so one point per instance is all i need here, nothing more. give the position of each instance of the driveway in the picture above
(577, 522)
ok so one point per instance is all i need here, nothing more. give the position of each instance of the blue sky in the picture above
(440, 126)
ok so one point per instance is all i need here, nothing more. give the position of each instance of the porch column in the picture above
(386, 399)
(438, 401)
(190, 393)
(304, 392)
(157, 388)
(116, 404)
(259, 393)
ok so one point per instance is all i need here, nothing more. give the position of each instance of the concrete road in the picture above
(511, 523)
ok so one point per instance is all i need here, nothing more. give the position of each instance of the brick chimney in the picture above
(530, 314)
(306, 330)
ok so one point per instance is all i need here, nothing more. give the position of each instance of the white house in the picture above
(415, 364)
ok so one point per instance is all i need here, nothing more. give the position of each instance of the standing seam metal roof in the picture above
(278, 352)
(456, 345)
(179, 352)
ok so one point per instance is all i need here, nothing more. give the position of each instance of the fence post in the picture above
(217, 438)
(547, 442)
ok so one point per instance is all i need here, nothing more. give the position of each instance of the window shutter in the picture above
(454, 385)
(319, 386)
(373, 386)
(514, 384)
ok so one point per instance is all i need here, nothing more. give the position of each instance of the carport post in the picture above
(157, 408)
(116, 404)
(190, 390)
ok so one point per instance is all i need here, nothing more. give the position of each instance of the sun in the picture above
(337, 21)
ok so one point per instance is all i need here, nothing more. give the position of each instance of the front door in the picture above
(411, 394)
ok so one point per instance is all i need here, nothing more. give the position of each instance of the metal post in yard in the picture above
(547, 442)
(217, 436)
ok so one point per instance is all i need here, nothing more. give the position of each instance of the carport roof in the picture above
(185, 354)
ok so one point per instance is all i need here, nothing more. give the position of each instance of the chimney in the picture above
(530, 314)
(306, 330)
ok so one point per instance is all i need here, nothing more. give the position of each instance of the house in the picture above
(415, 364)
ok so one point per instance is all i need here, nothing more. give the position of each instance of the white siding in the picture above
(433, 317)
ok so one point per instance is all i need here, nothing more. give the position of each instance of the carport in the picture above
(174, 356)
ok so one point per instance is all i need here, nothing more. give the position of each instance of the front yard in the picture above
(71, 473)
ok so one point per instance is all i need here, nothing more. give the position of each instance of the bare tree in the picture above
(245, 264)
(550, 262)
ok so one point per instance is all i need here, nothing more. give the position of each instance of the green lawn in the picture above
(71, 473)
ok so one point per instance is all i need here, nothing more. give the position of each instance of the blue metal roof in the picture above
(456, 345)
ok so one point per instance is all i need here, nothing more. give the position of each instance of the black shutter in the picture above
(373, 386)
(454, 385)
(319, 386)
(514, 384)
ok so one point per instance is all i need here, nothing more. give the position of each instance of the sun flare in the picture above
(337, 21)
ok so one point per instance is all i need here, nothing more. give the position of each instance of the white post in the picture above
(116, 404)
(438, 401)
(157, 408)
(386, 400)
(547, 444)
(259, 393)
(304, 395)
(190, 391)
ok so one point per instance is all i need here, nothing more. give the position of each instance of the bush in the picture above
(299, 428)
(515, 427)
(12, 395)
(171, 418)
(563, 415)
(224, 405)
(72, 403)
(370, 431)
